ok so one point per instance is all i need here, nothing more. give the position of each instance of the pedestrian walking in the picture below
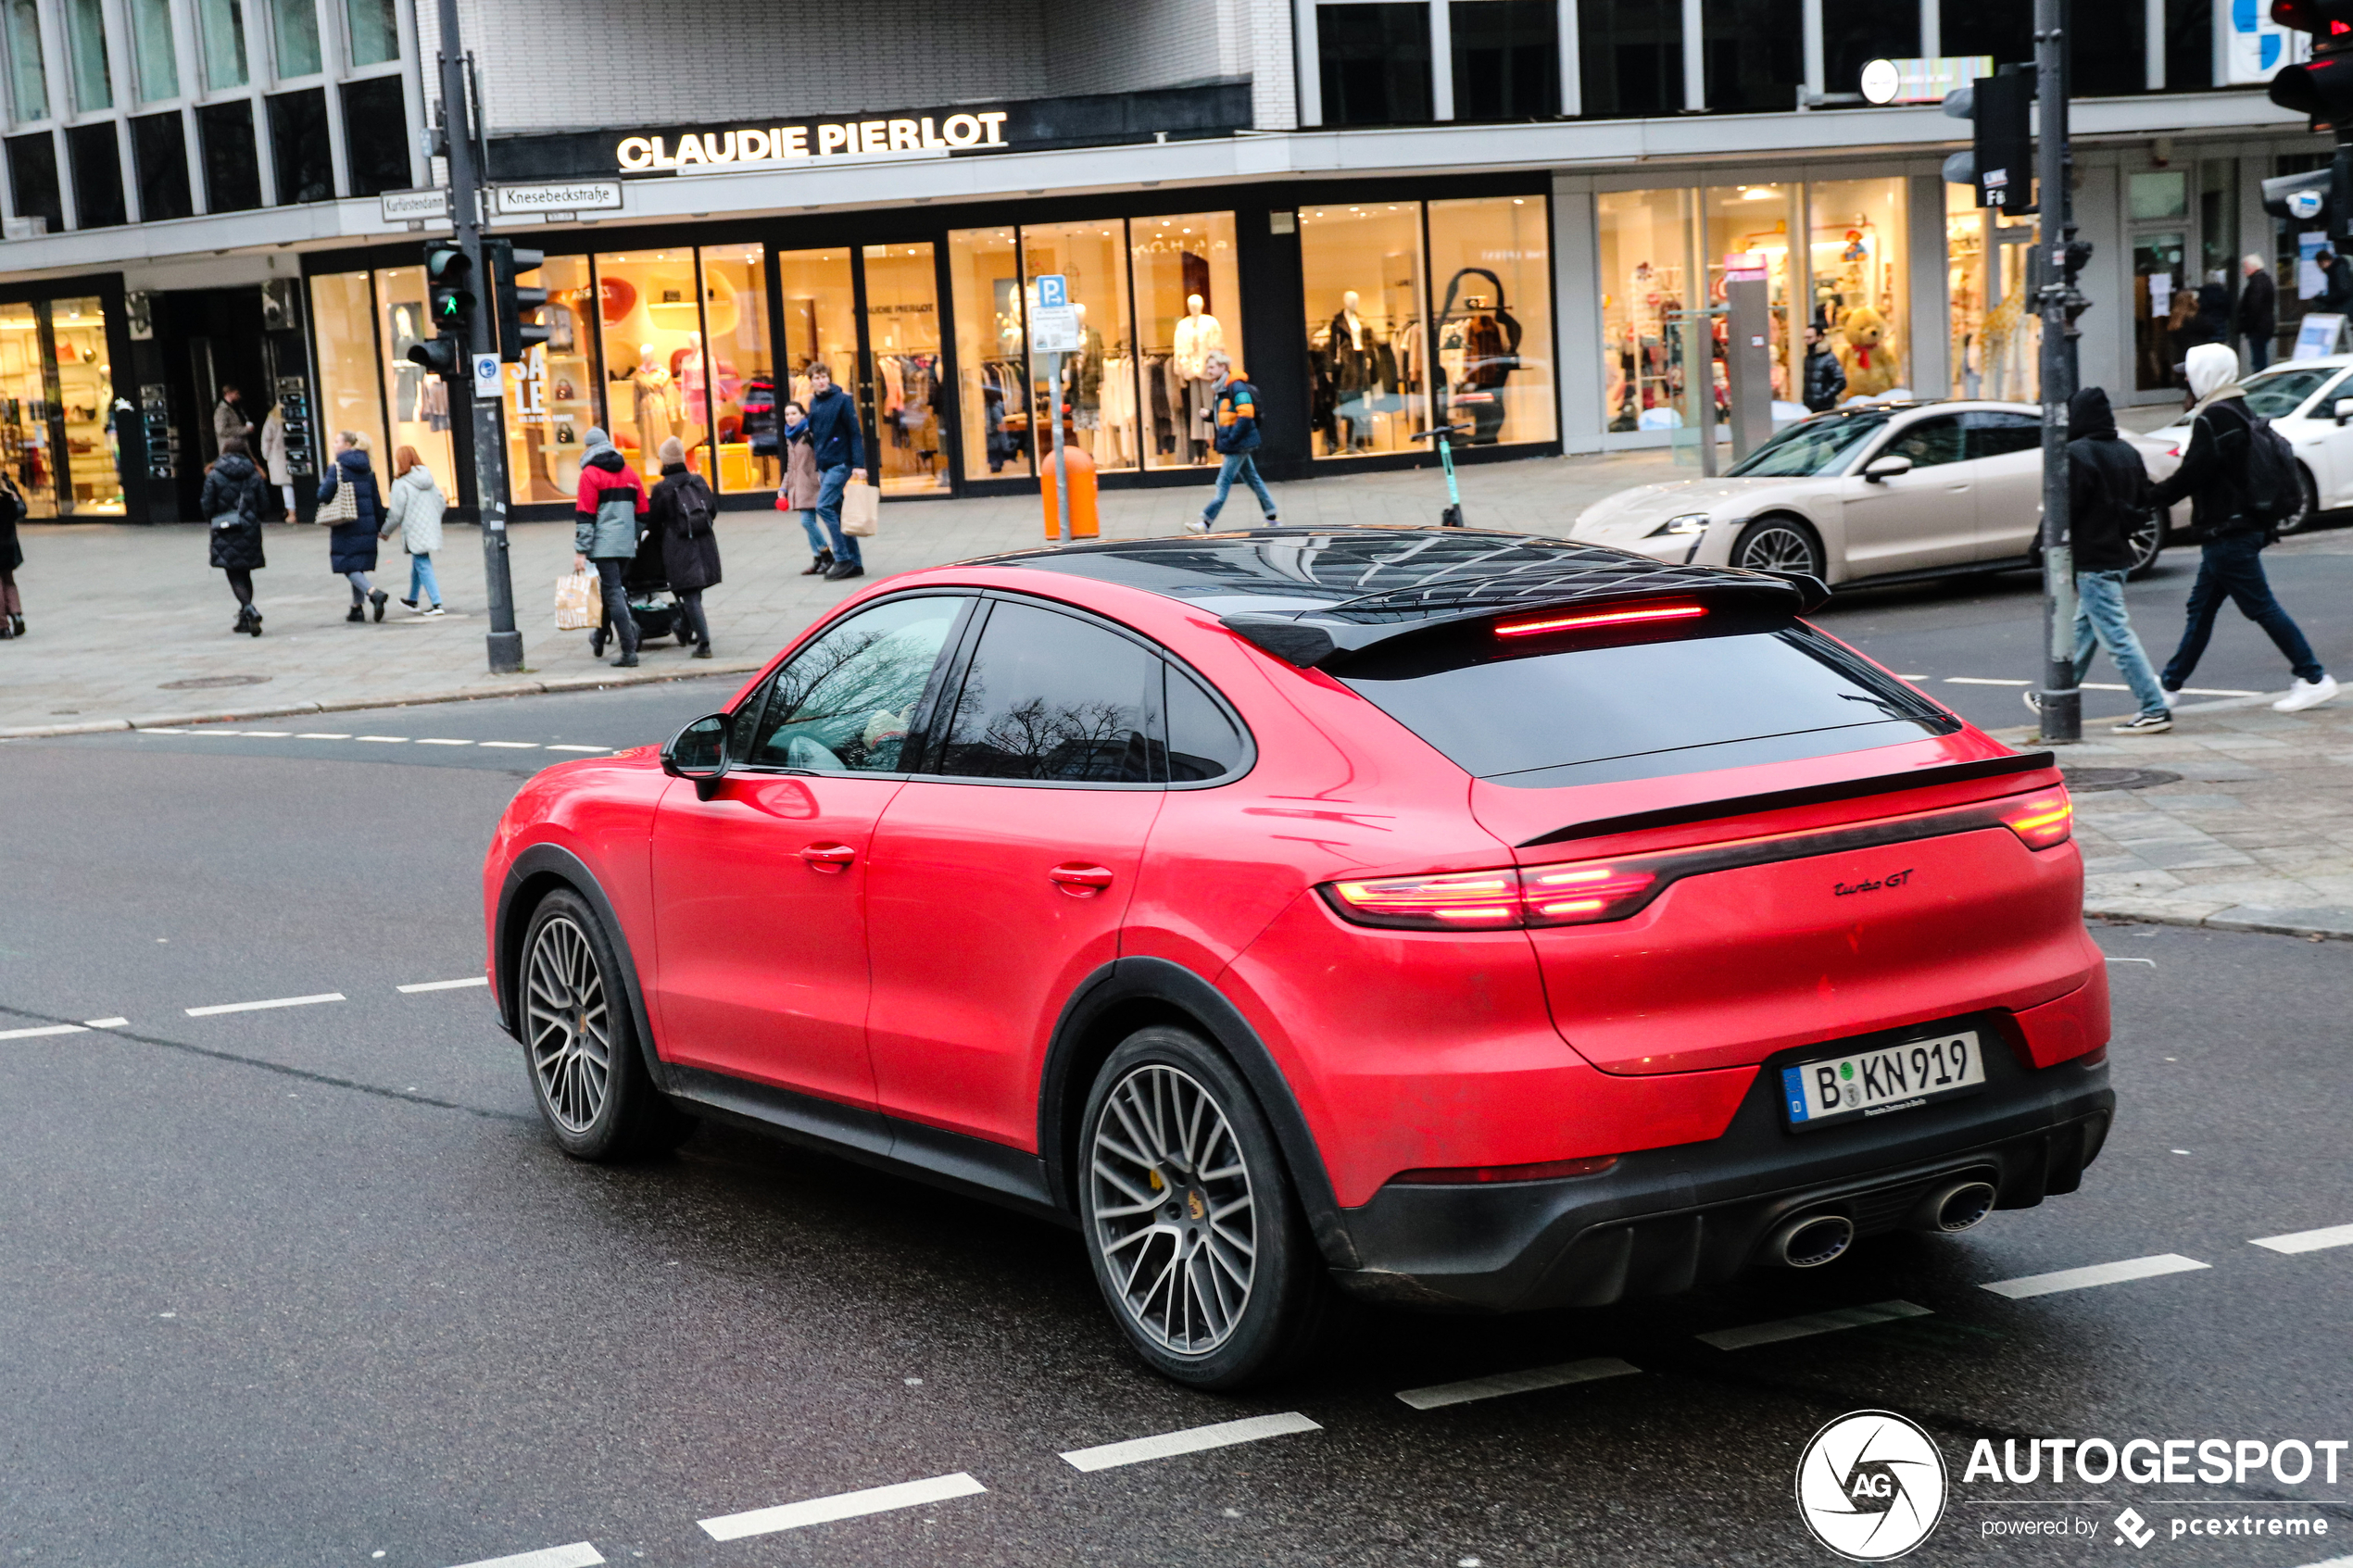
(2336, 284)
(2215, 476)
(2258, 311)
(798, 493)
(1825, 377)
(12, 511)
(605, 531)
(414, 510)
(1233, 412)
(839, 450)
(229, 418)
(351, 543)
(683, 510)
(232, 502)
(273, 457)
(2108, 490)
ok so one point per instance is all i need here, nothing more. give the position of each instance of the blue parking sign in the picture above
(1052, 289)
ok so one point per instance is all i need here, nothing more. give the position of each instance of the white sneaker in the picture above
(1200, 525)
(2170, 694)
(2302, 694)
(429, 614)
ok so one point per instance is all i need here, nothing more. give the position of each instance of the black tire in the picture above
(2148, 542)
(1779, 544)
(1206, 1193)
(580, 1040)
(2310, 509)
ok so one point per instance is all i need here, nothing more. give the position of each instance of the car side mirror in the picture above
(1879, 471)
(699, 752)
(2344, 409)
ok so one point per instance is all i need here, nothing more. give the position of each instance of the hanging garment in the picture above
(1196, 335)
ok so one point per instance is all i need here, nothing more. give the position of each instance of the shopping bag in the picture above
(577, 608)
(860, 511)
(341, 506)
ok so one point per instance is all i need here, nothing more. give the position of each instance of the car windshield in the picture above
(1816, 446)
(2284, 392)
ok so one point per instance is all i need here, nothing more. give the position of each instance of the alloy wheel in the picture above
(2145, 540)
(569, 1025)
(1777, 547)
(1174, 1212)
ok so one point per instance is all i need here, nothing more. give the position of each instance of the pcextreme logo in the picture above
(1870, 1486)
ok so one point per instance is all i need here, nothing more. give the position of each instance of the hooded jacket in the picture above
(1825, 378)
(1235, 415)
(2107, 485)
(2259, 306)
(2213, 470)
(691, 564)
(233, 488)
(415, 508)
(351, 546)
(611, 499)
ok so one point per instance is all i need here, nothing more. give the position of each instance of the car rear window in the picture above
(1639, 709)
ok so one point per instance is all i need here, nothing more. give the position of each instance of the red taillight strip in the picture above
(1606, 618)
(1468, 1176)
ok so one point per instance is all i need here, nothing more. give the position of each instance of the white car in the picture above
(1867, 492)
(2310, 402)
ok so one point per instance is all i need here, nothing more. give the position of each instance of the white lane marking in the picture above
(2151, 962)
(2306, 1241)
(105, 1022)
(515, 745)
(268, 735)
(580, 748)
(403, 740)
(1526, 1382)
(44, 1029)
(2098, 1273)
(1192, 1440)
(2215, 691)
(322, 734)
(1811, 1323)
(1981, 680)
(2333, 1562)
(580, 1554)
(845, 1505)
(444, 743)
(1916, 677)
(273, 1002)
(443, 984)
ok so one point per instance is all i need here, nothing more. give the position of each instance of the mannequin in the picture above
(1084, 370)
(1196, 335)
(651, 384)
(1355, 355)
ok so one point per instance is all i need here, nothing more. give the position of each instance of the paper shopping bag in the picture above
(577, 609)
(860, 511)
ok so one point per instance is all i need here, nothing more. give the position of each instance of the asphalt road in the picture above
(307, 1284)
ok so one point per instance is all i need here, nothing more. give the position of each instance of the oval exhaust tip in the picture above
(1811, 1240)
(1963, 1205)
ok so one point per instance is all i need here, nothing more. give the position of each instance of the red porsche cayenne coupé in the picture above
(1461, 920)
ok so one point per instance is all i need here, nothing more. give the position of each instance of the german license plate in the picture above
(1879, 1082)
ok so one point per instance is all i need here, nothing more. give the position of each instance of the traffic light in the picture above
(2001, 161)
(2321, 87)
(519, 326)
(449, 274)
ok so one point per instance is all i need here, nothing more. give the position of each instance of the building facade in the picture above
(1512, 215)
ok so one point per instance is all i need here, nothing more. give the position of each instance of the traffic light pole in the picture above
(2062, 700)
(490, 451)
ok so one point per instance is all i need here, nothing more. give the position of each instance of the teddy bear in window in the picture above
(1867, 353)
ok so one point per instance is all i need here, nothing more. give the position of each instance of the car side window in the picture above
(1994, 434)
(1203, 743)
(1929, 442)
(1049, 696)
(844, 703)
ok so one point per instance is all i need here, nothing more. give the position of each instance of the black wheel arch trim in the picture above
(1128, 981)
(553, 862)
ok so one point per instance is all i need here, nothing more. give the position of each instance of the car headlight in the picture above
(1689, 523)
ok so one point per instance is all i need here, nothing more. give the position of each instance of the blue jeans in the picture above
(1236, 465)
(2101, 621)
(829, 488)
(420, 576)
(2231, 567)
(819, 541)
(2258, 353)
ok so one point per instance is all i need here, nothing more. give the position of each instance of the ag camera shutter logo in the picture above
(1870, 1486)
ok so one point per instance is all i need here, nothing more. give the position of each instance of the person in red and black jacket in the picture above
(605, 529)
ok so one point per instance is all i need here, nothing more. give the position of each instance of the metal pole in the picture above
(2063, 700)
(1061, 463)
(490, 450)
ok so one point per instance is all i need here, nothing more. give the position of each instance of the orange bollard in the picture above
(1085, 521)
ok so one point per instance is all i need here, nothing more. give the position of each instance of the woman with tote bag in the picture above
(349, 501)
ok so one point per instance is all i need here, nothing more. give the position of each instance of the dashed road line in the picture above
(580, 1554)
(580, 748)
(1192, 1440)
(434, 742)
(403, 740)
(273, 1002)
(1442, 1394)
(845, 1505)
(443, 984)
(513, 744)
(2098, 1273)
(314, 735)
(81, 1028)
(1809, 1324)
(1981, 680)
(106, 1022)
(2306, 1241)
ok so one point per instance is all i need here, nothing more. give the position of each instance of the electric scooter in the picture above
(1452, 517)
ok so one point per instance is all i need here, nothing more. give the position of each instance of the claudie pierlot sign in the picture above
(931, 134)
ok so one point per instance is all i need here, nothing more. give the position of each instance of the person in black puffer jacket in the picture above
(351, 546)
(681, 510)
(2108, 497)
(12, 511)
(1825, 377)
(232, 502)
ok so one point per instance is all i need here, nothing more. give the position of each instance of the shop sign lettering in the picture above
(779, 145)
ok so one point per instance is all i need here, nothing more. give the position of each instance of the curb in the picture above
(2225, 920)
(413, 700)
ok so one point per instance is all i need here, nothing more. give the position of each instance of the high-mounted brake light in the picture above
(1497, 900)
(1602, 618)
(2042, 820)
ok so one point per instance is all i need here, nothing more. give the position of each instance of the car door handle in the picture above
(829, 857)
(1079, 881)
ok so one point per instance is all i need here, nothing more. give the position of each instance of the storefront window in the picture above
(1995, 334)
(27, 84)
(350, 391)
(85, 396)
(551, 395)
(419, 400)
(1098, 381)
(734, 379)
(984, 282)
(25, 444)
(902, 333)
(1861, 284)
(57, 387)
(1754, 221)
(1368, 354)
(1188, 288)
(652, 330)
(2164, 309)
(821, 319)
(1645, 243)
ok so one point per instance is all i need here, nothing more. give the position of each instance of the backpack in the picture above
(695, 508)
(2273, 491)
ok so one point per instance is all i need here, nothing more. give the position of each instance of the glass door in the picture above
(25, 444)
(902, 336)
(2164, 309)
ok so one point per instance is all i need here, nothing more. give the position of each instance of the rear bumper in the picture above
(1668, 1220)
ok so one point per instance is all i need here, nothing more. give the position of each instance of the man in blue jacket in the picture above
(839, 448)
(1235, 413)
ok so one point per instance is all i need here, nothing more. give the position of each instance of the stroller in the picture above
(646, 580)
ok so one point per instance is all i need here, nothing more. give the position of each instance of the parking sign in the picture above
(1054, 290)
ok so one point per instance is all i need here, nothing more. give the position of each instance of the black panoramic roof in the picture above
(1361, 585)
